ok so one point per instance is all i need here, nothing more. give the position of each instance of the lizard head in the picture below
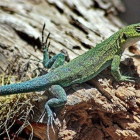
(133, 31)
(137, 29)
(130, 35)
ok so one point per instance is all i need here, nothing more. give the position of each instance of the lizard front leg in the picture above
(59, 100)
(116, 72)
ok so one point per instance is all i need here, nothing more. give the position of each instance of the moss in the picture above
(15, 108)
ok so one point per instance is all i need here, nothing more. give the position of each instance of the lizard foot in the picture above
(50, 122)
(50, 118)
(128, 78)
(44, 44)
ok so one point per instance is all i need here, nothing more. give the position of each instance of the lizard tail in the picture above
(36, 84)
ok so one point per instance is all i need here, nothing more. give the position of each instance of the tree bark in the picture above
(101, 108)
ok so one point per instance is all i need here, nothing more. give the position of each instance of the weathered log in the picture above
(99, 109)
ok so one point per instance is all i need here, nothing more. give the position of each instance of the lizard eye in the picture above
(138, 28)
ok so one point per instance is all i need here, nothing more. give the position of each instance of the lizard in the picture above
(79, 70)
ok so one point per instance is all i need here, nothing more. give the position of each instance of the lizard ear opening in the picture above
(138, 29)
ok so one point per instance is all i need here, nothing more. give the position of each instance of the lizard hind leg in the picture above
(59, 100)
(55, 61)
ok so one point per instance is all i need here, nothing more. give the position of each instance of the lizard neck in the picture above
(129, 42)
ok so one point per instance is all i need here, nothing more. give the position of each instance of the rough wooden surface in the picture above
(99, 109)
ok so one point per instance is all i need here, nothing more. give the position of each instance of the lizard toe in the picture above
(128, 78)
(50, 122)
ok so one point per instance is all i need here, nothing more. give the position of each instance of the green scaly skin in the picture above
(79, 70)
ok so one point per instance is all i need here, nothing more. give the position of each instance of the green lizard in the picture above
(80, 69)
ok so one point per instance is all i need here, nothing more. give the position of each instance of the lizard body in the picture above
(80, 69)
